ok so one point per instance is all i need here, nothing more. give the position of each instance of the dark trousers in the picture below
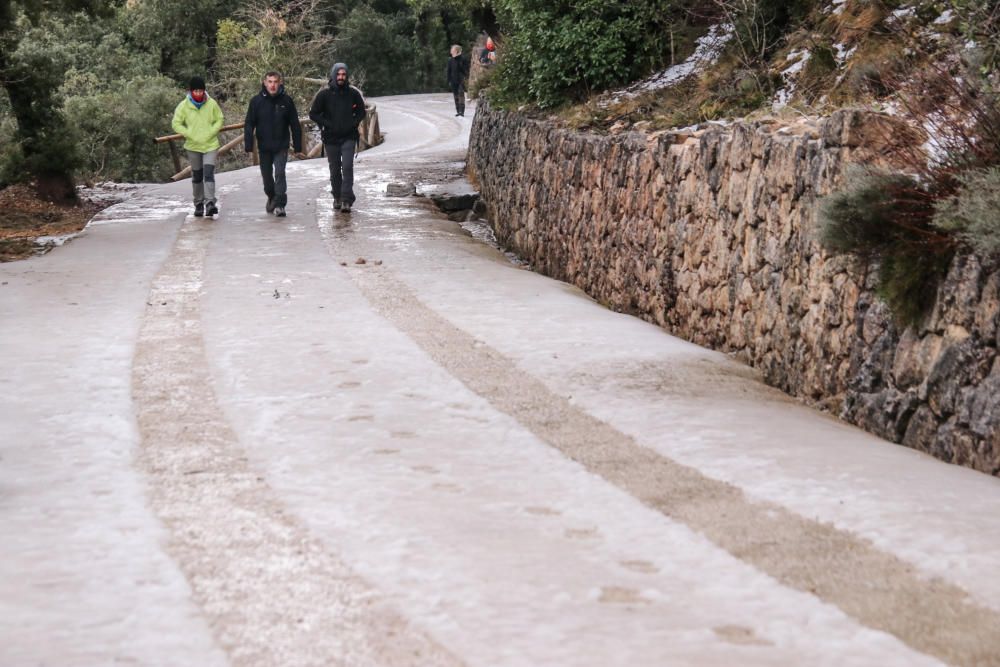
(459, 93)
(272, 170)
(340, 156)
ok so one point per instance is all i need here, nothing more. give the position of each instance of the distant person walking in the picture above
(272, 117)
(338, 110)
(458, 72)
(198, 119)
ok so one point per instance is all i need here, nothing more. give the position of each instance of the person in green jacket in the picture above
(198, 118)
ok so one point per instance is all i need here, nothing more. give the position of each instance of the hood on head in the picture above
(333, 73)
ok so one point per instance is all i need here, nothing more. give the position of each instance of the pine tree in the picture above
(31, 83)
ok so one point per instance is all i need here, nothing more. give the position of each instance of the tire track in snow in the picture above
(271, 592)
(874, 587)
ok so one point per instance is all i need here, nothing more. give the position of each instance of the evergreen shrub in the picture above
(886, 220)
(973, 213)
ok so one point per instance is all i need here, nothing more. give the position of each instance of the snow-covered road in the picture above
(229, 443)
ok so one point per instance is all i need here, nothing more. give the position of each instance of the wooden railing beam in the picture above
(368, 131)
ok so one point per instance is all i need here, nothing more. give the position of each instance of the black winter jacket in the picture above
(272, 118)
(458, 72)
(338, 112)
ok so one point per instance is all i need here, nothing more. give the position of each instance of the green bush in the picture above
(261, 39)
(105, 98)
(89, 46)
(909, 280)
(822, 61)
(558, 51)
(858, 218)
(114, 130)
(35, 71)
(11, 158)
(179, 34)
(979, 21)
(886, 219)
(379, 50)
(395, 48)
(973, 213)
(482, 82)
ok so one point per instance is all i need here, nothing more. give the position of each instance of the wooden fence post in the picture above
(369, 135)
(175, 156)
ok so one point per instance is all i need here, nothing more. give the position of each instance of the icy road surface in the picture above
(227, 443)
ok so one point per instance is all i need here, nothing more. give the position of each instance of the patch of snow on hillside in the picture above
(935, 148)
(842, 53)
(904, 13)
(788, 75)
(946, 17)
(836, 8)
(705, 54)
(801, 57)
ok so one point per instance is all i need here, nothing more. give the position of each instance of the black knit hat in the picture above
(196, 83)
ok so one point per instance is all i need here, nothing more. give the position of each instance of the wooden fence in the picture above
(369, 135)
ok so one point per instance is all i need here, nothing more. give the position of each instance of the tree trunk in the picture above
(56, 187)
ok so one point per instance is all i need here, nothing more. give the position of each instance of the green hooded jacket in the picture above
(200, 127)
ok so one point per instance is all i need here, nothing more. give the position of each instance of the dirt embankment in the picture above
(30, 225)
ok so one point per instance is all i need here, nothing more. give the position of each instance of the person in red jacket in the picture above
(272, 116)
(338, 110)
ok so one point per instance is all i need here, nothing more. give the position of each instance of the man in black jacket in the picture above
(458, 72)
(338, 110)
(273, 116)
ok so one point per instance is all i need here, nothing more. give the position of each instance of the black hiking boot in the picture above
(336, 204)
(269, 207)
(279, 211)
(211, 210)
(199, 210)
(346, 208)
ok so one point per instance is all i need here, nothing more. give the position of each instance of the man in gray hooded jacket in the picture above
(338, 110)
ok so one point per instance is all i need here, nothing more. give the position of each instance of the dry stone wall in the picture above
(711, 234)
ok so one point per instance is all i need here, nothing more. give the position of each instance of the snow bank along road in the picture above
(228, 443)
